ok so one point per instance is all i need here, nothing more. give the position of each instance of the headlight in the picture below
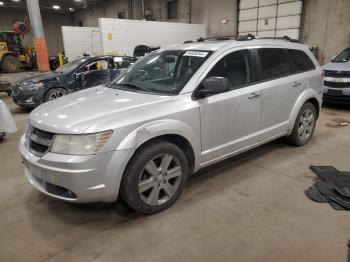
(29, 86)
(88, 144)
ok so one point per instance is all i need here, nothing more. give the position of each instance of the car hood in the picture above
(337, 66)
(98, 106)
(39, 78)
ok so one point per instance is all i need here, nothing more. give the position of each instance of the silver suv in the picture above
(337, 78)
(173, 112)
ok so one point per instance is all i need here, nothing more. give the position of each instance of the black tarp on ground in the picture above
(333, 188)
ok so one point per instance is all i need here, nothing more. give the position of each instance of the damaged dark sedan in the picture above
(79, 74)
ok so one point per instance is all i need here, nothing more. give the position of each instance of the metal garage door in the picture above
(270, 18)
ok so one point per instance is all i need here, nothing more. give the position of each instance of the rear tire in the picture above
(154, 177)
(54, 94)
(10, 64)
(304, 125)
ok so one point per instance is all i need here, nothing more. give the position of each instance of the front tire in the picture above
(155, 177)
(54, 94)
(10, 64)
(304, 125)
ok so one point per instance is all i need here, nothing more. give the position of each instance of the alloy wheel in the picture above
(306, 124)
(159, 179)
(56, 94)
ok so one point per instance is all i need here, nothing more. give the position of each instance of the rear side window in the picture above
(274, 63)
(301, 61)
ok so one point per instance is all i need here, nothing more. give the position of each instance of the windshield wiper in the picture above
(132, 87)
(129, 86)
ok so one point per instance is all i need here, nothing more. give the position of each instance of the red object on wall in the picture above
(20, 27)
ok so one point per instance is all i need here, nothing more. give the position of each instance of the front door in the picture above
(94, 74)
(231, 121)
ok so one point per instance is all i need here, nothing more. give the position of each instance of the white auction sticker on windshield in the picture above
(196, 53)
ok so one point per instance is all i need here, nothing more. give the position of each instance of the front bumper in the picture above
(80, 179)
(342, 98)
(27, 99)
(5, 86)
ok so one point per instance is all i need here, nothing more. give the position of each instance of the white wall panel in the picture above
(286, 1)
(273, 16)
(244, 4)
(293, 8)
(285, 22)
(80, 40)
(247, 26)
(248, 14)
(293, 33)
(267, 2)
(266, 33)
(122, 35)
(267, 11)
(266, 24)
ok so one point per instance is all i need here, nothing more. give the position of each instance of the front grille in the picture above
(59, 191)
(333, 73)
(337, 84)
(39, 141)
(38, 147)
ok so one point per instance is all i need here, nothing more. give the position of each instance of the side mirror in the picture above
(212, 86)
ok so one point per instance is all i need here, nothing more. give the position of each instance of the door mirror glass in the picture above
(213, 85)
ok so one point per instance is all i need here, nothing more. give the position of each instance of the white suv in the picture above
(173, 112)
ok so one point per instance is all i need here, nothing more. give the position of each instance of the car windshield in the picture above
(161, 72)
(69, 67)
(344, 56)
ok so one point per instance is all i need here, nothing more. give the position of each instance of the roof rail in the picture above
(241, 38)
(222, 38)
(286, 38)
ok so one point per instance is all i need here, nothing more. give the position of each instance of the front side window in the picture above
(236, 67)
(71, 66)
(274, 63)
(102, 64)
(301, 61)
(122, 62)
(344, 56)
(162, 72)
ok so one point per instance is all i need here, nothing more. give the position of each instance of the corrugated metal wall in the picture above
(270, 18)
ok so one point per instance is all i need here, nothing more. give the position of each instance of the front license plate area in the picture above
(335, 92)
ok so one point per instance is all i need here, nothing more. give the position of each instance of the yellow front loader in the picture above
(13, 56)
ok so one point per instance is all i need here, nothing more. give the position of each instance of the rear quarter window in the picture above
(300, 60)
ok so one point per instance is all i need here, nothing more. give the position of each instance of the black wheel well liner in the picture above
(316, 104)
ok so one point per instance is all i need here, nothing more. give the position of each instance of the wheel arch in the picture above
(173, 131)
(8, 54)
(49, 88)
(309, 95)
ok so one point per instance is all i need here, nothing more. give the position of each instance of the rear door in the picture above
(281, 87)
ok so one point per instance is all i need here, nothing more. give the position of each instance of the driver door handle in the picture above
(254, 95)
(296, 84)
